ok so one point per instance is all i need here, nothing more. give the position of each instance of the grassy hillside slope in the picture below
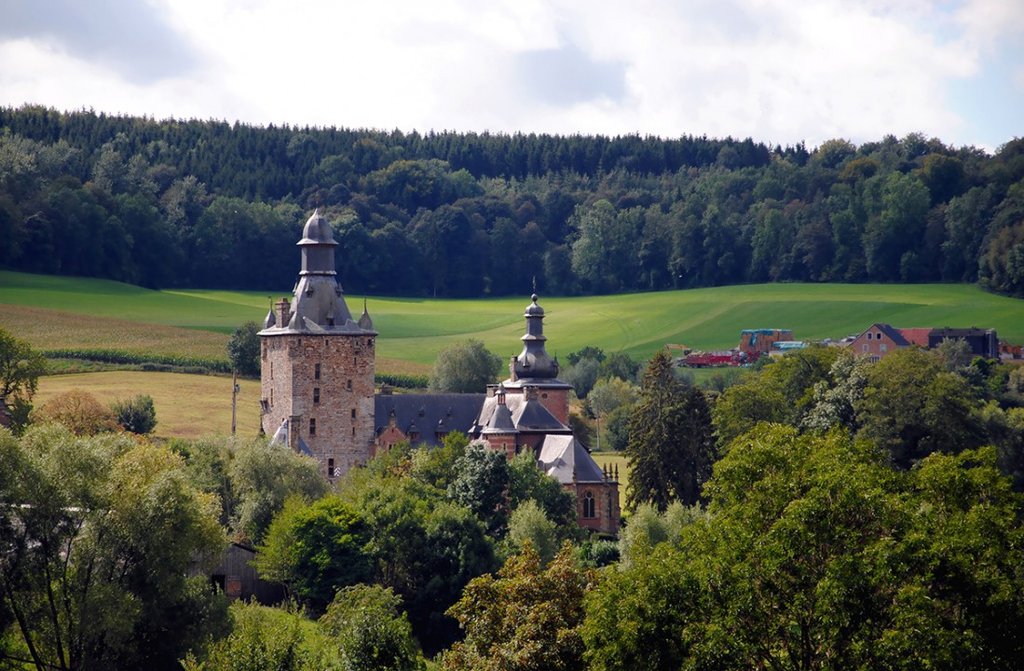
(53, 312)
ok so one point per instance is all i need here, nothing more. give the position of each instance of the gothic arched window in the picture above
(588, 505)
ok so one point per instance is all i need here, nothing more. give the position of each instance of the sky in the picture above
(779, 71)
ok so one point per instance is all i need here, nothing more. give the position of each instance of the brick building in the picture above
(880, 339)
(877, 341)
(530, 411)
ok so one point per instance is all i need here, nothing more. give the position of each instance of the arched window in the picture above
(588, 505)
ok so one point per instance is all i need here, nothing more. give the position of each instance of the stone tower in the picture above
(317, 364)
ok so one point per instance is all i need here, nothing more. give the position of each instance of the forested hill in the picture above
(210, 204)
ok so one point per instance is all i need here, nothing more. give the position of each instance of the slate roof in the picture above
(428, 414)
(280, 437)
(893, 334)
(534, 362)
(500, 421)
(317, 231)
(565, 459)
(317, 305)
(531, 415)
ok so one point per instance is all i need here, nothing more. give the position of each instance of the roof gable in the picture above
(565, 459)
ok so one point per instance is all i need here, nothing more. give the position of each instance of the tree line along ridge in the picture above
(210, 204)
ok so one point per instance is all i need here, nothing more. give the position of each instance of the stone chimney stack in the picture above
(282, 308)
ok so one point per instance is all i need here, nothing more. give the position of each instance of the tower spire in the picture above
(534, 362)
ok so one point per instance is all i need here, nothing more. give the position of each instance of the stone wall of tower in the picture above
(328, 379)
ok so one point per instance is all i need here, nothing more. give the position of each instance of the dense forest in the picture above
(210, 204)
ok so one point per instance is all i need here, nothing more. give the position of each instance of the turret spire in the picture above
(534, 362)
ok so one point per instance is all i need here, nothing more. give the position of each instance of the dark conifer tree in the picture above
(670, 448)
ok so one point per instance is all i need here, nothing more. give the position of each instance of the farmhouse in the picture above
(879, 339)
(318, 395)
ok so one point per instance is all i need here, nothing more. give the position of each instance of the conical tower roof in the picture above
(318, 305)
(500, 420)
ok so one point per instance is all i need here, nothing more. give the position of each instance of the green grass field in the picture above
(54, 312)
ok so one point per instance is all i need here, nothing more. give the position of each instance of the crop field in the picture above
(57, 312)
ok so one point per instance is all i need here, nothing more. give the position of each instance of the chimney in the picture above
(512, 369)
(282, 309)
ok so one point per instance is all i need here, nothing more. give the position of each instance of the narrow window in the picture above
(271, 397)
(316, 372)
(312, 426)
(330, 468)
(316, 394)
(353, 413)
(348, 385)
(864, 348)
(271, 370)
(353, 430)
(588, 505)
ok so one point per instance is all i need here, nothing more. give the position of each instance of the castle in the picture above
(318, 394)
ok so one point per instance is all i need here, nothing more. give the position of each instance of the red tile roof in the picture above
(916, 336)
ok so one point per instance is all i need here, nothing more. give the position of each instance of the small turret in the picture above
(365, 322)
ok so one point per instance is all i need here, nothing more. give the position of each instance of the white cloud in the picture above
(771, 69)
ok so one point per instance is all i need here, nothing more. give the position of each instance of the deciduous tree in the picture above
(244, 350)
(98, 536)
(527, 617)
(371, 631)
(465, 367)
(815, 554)
(20, 368)
(136, 414)
(79, 411)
